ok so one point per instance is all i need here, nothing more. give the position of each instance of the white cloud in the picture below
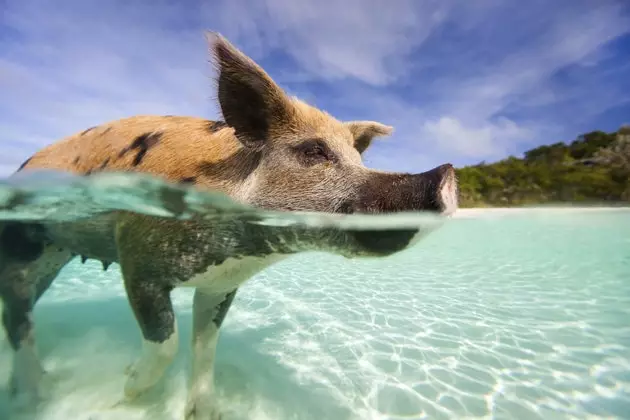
(368, 40)
(488, 140)
(572, 37)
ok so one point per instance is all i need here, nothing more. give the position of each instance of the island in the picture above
(593, 169)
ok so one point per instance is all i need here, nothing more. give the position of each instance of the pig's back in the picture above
(178, 149)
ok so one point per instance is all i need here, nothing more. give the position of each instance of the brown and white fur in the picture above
(272, 151)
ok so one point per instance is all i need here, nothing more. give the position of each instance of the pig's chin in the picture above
(379, 243)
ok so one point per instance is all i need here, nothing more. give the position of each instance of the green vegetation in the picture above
(593, 169)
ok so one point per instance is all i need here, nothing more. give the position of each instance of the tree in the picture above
(595, 167)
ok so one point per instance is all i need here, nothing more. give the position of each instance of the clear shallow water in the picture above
(511, 314)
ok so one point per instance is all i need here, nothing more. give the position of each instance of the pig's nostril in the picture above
(448, 194)
(445, 169)
(445, 173)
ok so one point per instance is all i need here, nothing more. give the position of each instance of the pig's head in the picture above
(303, 159)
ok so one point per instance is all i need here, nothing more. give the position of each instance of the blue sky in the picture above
(460, 80)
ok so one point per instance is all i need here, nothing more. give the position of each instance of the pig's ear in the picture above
(363, 132)
(251, 102)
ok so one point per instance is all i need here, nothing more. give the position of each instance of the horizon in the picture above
(459, 83)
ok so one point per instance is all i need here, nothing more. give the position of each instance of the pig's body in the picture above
(272, 152)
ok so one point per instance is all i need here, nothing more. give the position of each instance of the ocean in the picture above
(503, 314)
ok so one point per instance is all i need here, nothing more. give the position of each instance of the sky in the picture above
(460, 81)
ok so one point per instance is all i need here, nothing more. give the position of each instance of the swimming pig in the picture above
(271, 151)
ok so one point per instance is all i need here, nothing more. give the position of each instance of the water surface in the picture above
(496, 314)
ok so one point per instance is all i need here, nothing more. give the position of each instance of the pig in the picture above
(271, 151)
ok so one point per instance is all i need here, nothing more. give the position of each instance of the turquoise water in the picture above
(519, 314)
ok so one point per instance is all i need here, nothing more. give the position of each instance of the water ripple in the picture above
(523, 324)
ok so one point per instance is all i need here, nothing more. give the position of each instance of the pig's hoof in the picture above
(28, 385)
(203, 409)
(141, 376)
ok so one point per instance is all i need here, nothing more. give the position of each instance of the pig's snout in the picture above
(434, 191)
(444, 194)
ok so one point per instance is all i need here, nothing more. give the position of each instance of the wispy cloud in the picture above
(460, 81)
(332, 41)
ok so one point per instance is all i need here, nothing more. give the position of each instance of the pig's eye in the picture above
(314, 151)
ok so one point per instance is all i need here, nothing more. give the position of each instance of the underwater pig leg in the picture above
(209, 310)
(28, 268)
(153, 309)
(17, 320)
(148, 283)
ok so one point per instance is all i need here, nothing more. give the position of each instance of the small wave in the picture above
(54, 196)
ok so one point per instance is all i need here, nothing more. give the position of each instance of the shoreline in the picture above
(473, 211)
